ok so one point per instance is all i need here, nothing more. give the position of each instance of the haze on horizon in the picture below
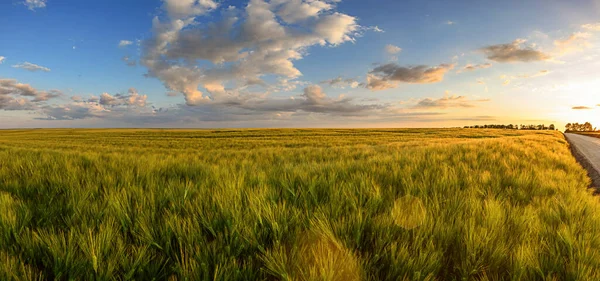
(297, 63)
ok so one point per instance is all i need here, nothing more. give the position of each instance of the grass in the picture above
(417, 204)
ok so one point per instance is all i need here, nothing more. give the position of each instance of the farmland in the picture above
(291, 204)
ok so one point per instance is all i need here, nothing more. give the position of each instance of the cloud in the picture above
(581, 107)
(18, 96)
(389, 75)
(447, 101)
(133, 108)
(513, 52)
(472, 67)
(450, 22)
(133, 98)
(128, 61)
(592, 26)
(35, 4)
(537, 74)
(342, 83)
(298, 10)
(507, 79)
(125, 43)
(31, 67)
(2, 59)
(392, 50)
(120, 106)
(182, 9)
(262, 38)
(576, 42)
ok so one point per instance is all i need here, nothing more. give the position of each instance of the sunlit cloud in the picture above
(581, 107)
(390, 75)
(576, 42)
(473, 67)
(246, 44)
(448, 101)
(19, 96)
(2, 59)
(513, 52)
(592, 26)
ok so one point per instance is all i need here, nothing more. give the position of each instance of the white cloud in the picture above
(450, 22)
(263, 38)
(125, 43)
(392, 50)
(35, 4)
(295, 11)
(2, 59)
(31, 67)
(182, 9)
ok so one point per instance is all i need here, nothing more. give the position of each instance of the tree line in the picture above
(514, 127)
(576, 127)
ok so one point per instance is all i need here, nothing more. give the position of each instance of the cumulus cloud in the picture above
(260, 39)
(576, 42)
(107, 106)
(182, 9)
(18, 96)
(389, 75)
(513, 52)
(592, 26)
(132, 98)
(298, 10)
(342, 83)
(125, 43)
(2, 59)
(447, 101)
(34, 4)
(31, 67)
(392, 50)
(581, 107)
(450, 22)
(472, 67)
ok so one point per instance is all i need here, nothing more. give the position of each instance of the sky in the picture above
(297, 63)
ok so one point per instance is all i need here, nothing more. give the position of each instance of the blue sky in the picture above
(398, 63)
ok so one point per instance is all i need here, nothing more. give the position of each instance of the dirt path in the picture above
(587, 151)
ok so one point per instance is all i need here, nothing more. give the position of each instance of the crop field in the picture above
(407, 204)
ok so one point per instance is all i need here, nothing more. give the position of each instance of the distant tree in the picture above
(551, 127)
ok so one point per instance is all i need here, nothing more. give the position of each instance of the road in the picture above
(589, 149)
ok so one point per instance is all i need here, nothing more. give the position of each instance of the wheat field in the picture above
(292, 204)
